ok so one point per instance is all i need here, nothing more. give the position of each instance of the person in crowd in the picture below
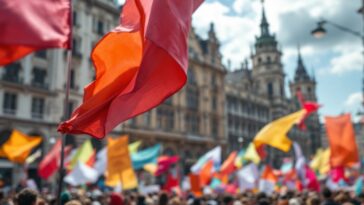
(26, 197)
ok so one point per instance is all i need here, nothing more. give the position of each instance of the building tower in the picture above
(306, 84)
(267, 70)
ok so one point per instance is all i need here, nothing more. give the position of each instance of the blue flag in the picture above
(146, 156)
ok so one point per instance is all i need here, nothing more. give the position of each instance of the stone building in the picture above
(32, 89)
(256, 96)
(193, 120)
(32, 93)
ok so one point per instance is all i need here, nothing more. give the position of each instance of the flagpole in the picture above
(61, 171)
(63, 136)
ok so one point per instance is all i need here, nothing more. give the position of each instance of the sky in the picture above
(335, 59)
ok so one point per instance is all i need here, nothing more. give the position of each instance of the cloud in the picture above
(354, 100)
(346, 62)
(234, 32)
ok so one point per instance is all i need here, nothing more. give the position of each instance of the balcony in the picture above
(12, 79)
(37, 115)
(9, 111)
(40, 85)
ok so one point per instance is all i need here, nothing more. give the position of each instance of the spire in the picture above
(301, 73)
(264, 25)
(212, 34)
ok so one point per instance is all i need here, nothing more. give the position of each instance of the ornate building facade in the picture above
(256, 96)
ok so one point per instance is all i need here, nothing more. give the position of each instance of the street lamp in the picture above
(241, 140)
(320, 32)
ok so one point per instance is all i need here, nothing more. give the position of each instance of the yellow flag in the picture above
(316, 161)
(119, 166)
(251, 154)
(83, 154)
(133, 147)
(19, 146)
(275, 133)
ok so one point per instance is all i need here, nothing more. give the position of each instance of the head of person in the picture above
(163, 199)
(26, 197)
(326, 193)
(74, 202)
(116, 199)
(228, 200)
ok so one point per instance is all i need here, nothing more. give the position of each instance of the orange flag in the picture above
(27, 26)
(119, 166)
(206, 173)
(229, 166)
(342, 142)
(19, 146)
(138, 65)
(195, 185)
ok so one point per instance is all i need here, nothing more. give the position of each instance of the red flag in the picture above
(309, 106)
(341, 135)
(228, 166)
(27, 26)
(164, 163)
(138, 65)
(50, 163)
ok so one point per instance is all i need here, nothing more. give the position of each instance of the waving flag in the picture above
(146, 156)
(275, 133)
(119, 166)
(247, 177)
(50, 163)
(27, 26)
(340, 132)
(18, 147)
(81, 175)
(267, 180)
(214, 155)
(138, 65)
(133, 147)
(309, 106)
(83, 154)
(239, 160)
(228, 166)
(252, 154)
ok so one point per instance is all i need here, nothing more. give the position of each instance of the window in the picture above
(214, 127)
(41, 54)
(73, 80)
(147, 116)
(192, 97)
(268, 59)
(259, 60)
(282, 90)
(191, 78)
(39, 77)
(192, 123)
(12, 73)
(37, 107)
(214, 103)
(168, 101)
(213, 80)
(75, 18)
(70, 108)
(100, 27)
(270, 89)
(76, 48)
(165, 118)
(308, 89)
(10, 103)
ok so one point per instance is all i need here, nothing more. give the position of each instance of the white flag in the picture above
(81, 174)
(101, 161)
(214, 155)
(248, 176)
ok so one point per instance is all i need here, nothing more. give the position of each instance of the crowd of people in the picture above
(28, 196)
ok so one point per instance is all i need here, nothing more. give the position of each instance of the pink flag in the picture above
(164, 163)
(30, 25)
(337, 174)
(311, 180)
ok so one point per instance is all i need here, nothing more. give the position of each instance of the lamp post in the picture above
(241, 140)
(320, 32)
